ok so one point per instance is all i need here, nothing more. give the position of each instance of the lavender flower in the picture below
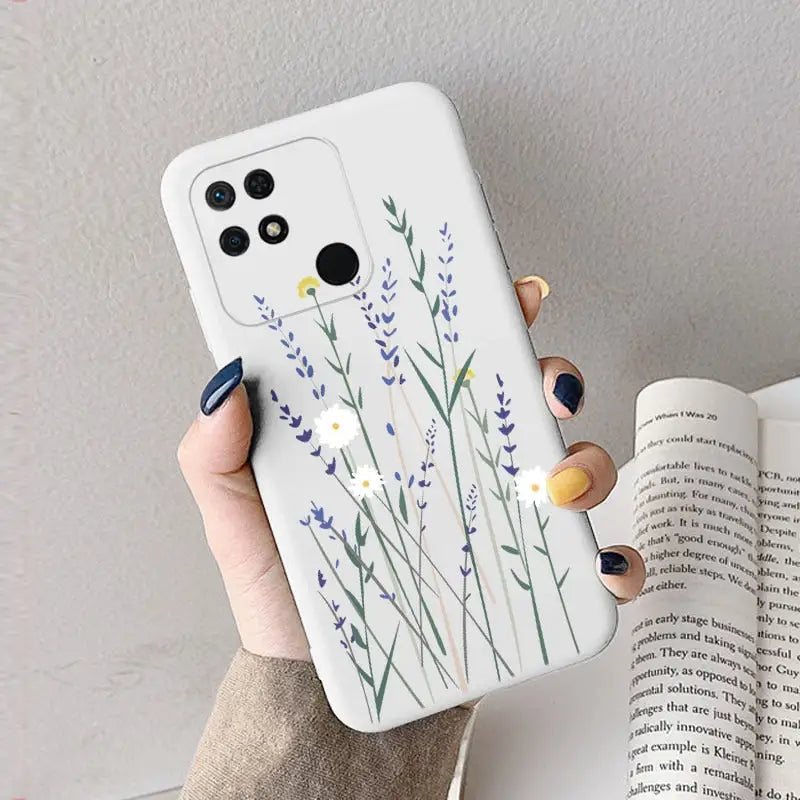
(448, 291)
(381, 321)
(427, 463)
(296, 422)
(303, 367)
(505, 427)
(471, 506)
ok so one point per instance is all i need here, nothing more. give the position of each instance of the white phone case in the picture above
(403, 437)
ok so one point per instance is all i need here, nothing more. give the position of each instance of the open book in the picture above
(715, 670)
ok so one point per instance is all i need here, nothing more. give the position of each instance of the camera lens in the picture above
(234, 241)
(337, 263)
(220, 195)
(273, 229)
(259, 184)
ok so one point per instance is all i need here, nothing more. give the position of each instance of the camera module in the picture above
(234, 241)
(259, 184)
(273, 229)
(337, 263)
(220, 195)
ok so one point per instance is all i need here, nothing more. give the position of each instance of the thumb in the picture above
(213, 456)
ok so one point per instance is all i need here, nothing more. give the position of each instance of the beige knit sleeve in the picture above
(272, 736)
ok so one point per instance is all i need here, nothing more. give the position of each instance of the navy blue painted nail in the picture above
(220, 386)
(568, 391)
(612, 563)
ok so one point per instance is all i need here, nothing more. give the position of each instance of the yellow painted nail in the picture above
(544, 286)
(568, 485)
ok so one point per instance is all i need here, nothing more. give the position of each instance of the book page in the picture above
(693, 672)
(778, 712)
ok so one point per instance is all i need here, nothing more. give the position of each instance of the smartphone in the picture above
(347, 254)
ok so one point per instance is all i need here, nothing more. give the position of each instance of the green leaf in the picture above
(474, 417)
(347, 364)
(429, 389)
(333, 366)
(332, 334)
(485, 423)
(360, 398)
(361, 671)
(497, 458)
(459, 380)
(394, 227)
(322, 327)
(403, 507)
(368, 573)
(385, 677)
(430, 355)
(434, 629)
(498, 496)
(355, 637)
(351, 554)
(359, 609)
(435, 309)
(410, 235)
(417, 285)
(346, 402)
(541, 550)
(486, 460)
(361, 538)
(508, 491)
(543, 524)
(421, 264)
(389, 206)
(563, 578)
(509, 549)
(525, 586)
(403, 221)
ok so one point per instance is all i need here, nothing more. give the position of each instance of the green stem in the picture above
(520, 550)
(484, 504)
(419, 542)
(382, 541)
(383, 650)
(464, 616)
(428, 561)
(354, 404)
(555, 580)
(383, 590)
(446, 405)
(366, 632)
(355, 663)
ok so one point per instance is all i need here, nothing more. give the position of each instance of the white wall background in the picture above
(643, 155)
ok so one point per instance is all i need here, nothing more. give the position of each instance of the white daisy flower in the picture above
(532, 486)
(336, 427)
(365, 482)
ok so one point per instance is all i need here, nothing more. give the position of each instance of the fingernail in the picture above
(612, 563)
(568, 485)
(544, 286)
(219, 388)
(568, 390)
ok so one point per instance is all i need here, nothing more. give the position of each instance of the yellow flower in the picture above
(306, 285)
(468, 377)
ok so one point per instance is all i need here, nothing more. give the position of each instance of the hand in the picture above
(213, 457)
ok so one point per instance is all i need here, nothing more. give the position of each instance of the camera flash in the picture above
(274, 229)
